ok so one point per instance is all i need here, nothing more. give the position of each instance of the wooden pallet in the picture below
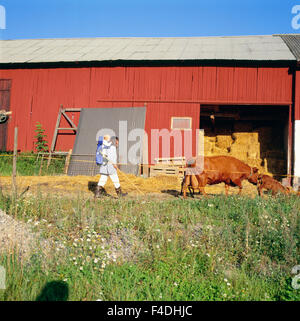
(168, 166)
(155, 171)
(180, 161)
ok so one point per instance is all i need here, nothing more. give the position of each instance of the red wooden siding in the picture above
(297, 96)
(36, 94)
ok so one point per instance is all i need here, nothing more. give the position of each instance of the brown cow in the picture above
(269, 183)
(220, 169)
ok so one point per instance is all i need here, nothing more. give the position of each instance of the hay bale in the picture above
(220, 151)
(208, 148)
(210, 139)
(245, 138)
(239, 151)
(254, 162)
(224, 141)
(254, 150)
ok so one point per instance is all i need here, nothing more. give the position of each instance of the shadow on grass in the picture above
(172, 192)
(190, 194)
(54, 291)
(92, 186)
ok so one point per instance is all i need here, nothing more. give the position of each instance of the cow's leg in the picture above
(191, 190)
(186, 184)
(182, 183)
(202, 190)
(226, 189)
(202, 181)
(240, 189)
(238, 183)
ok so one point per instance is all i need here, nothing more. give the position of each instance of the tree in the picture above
(41, 144)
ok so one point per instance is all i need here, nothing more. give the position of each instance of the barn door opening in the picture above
(257, 135)
(5, 85)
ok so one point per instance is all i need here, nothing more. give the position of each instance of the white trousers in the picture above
(113, 177)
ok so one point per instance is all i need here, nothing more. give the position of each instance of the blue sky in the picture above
(145, 18)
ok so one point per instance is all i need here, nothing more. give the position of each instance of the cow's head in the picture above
(253, 177)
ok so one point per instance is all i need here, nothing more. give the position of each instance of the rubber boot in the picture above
(100, 191)
(119, 192)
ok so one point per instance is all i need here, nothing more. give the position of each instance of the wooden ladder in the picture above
(62, 112)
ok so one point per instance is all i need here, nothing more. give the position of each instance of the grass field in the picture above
(30, 164)
(216, 248)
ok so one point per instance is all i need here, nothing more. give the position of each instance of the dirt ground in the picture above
(163, 187)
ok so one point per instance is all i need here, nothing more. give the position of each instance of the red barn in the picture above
(225, 85)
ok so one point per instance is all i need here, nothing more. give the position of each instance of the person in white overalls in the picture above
(109, 166)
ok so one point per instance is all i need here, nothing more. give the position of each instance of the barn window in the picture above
(182, 123)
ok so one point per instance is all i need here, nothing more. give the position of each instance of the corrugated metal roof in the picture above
(293, 42)
(253, 48)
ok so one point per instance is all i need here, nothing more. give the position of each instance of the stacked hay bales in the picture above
(256, 147)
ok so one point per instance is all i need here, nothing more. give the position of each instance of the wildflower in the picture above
(157, 246)
(208, 254)
(169, 240)
(176, 284)
(96, 260)
(81, 268)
